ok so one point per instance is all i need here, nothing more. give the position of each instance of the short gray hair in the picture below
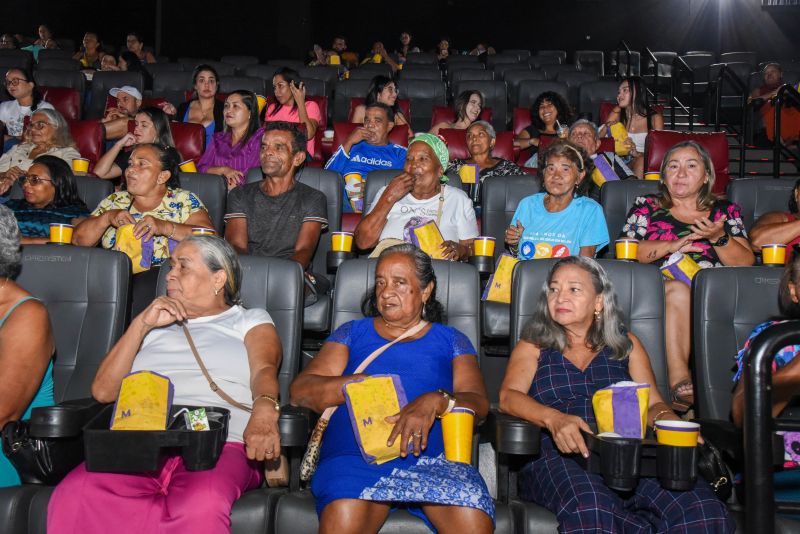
(606, 331)
(10, 250)
(486, 126)
(62, 136)
(218, 255)
(585, 122)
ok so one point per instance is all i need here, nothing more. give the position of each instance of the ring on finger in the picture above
(417, 434)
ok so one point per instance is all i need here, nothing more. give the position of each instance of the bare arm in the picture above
(236, 234)
(785, 386)
(369, 229)
(106, 167)
(658, 121)
(319, 385)
(306, 243)
(358, 114)
(642, 372)
(773, 227)
(261, 436)
(589, 251)
(116, 127)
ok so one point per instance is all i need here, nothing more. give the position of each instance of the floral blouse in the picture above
(176, 206)
(648, 221)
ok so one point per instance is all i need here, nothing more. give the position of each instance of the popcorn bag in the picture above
(680, 267)
(620, 134)
(622, 408)
(428, 238)
(499, 287)
(144, 402)
(138, 250)
(603, 171)
(369, 402)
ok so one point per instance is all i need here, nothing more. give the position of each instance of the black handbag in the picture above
(40, 460)
(713, 467)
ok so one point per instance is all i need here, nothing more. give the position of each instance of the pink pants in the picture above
(172, 500)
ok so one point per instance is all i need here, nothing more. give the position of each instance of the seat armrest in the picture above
(294, 425)
(515, 436)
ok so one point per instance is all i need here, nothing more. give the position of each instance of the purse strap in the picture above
(213, 385)
(326, 415)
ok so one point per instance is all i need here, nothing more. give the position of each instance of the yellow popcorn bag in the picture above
(144, 402)
(428, 238)
(469, 173)
(622, 408)
(620, 134)
(131, 246)
(499, 287)
(369, 402)
(680, 267)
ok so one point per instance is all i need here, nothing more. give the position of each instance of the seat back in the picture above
(420, 58)
(240, 62)
(520, 119)
(86, 291)
(330, 183)
(530, 89)
(276, 285)
(173, 85)
(457, 286)
(494, 97)
(370, 70)
(66, 101)
(514, 79)
(212, 190)
(750, 58)
(592, 94)
(190, 139)
(716, 143)
(424, 96)
(377, 179)
(15, 59)
(229, 84)
(265, 72)
(66, 52)
(635, 60)
(448, 114)
(590, 61)
(552, 71)
(757, 196)
(501, 196)
(502, 70)
(103, 81)
(404, 103)
(560, 54)
(342, 130)
(727, 302)
(502, 58)
(471, 75)
(457, 144)
(89, 137)
(462, 61)
(93, 190)
(60, 78)
(422, 72)
(640, 296)
(58, 63)
(344, 91)
(617, 198)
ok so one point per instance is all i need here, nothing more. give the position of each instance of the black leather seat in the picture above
(617, 199)
(377, 179)
(421, 72)
(501, 196)
(592, 94)
(228, 84)
(757, 196)
(172, 85)
(61, 78)
(503, 68)
(344, 91)
(494, 95)
(240, 62)
(590, 61)
(103, 81)
(552, 71)
(727, 302)
(424, 95)
(574, 80)
(212, 191)
(92, 190)
(514, 79)
(420, 58)
(471, 75)
(530, 89)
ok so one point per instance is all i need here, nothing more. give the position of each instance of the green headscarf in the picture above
(439, 148)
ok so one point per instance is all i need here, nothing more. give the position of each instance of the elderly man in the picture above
(115, 121)
(366, 149)
(279, 216)
(609, 166)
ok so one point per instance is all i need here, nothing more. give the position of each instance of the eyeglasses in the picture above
(33, 179)
(15, 81)
(39, 125)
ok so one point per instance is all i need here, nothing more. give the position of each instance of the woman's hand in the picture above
(261, 437)
(168, 108)
(148, 227)
(514, 234)
(117, 218)
(705, 229)
(232, 176)
(399, 187)
(566, 432)
(628, 142)
(126, 140)
(5, 183)
(453, 251)
(161, 312)
(414, 422)
(14, 174)
(298, 93)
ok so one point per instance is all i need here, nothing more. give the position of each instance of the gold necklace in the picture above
(390, 326)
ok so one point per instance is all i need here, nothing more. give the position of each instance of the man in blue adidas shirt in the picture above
(367, 149)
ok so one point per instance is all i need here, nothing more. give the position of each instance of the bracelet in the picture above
(270, 398)
(659, 414)
(174, 227)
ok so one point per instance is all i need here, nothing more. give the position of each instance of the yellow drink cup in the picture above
(626, 249)
(80, 165)
(774, 254)
(203, 231)
(61, 233)
(262, 101)
(188, 166)
(677, 433)
(342, 241)
(483, 246)
(656, 176)
(334, 60)
(377, 58)
(457, 429)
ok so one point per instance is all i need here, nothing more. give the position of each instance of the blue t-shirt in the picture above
(559, 234)
(362, 159)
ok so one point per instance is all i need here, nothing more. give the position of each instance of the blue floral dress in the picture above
(424, 365)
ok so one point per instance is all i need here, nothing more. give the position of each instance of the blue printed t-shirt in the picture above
(559, 234)
(362, 159)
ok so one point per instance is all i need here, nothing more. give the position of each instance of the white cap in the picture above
(134, 92)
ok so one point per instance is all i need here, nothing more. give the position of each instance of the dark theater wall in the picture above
(202, 28)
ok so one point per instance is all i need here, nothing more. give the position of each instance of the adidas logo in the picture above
(371, 161)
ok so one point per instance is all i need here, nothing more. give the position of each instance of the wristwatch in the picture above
(451, 402)
(722, 241)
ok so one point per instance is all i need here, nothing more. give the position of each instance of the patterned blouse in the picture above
(176, 206)
(35, 222)
(648, 221)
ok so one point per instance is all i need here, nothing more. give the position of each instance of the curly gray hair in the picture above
(10, 250)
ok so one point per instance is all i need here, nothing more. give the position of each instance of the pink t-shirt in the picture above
(290, 114)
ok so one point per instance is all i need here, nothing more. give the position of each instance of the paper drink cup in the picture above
(626, 249)
(203, 231)
(188, 166)
(61, 233)
(677, 433)
(342, 241)
(377, 58)
(773, 254)
(655, 176)
(335, 60)
(80, 165)
(457, 429)
(484, 246)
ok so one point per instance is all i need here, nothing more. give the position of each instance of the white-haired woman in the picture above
(575, 344)
(240, 348)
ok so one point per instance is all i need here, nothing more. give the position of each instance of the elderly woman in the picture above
(639, 119)
(204, 108)
(51, 197)
(240, 348)
(416, 196)
(574, 345)
(548, 111)
(291, 104)
(26, 367)
(234, 151)
(47, 134)
(383, 90)
(562, 221)
(481, 138)
(25, 99)
(354, 496)
(468, 106)
(779, 226)
(686, 217)
(151, 126)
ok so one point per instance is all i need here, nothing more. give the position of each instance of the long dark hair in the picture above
(562, 109)
(377, 85)
(63, 180)
(249, 100)
(169, 158)
(201, 68)
(161, 124)
(793, 208)
(132, 60)
(461, 101)
(791, 274)
(637, 88)
(290, 76)
(432, 311)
